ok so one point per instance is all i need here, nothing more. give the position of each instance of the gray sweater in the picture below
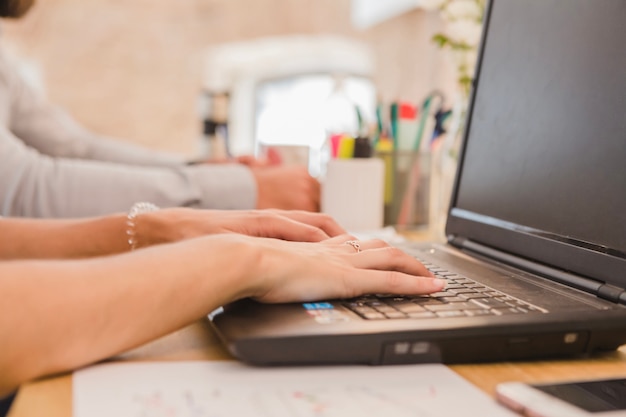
(52, 167)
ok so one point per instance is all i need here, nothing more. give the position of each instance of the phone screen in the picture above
(591, 396)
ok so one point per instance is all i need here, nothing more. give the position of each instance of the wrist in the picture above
(225, 266)
(249, 264)
(263, 263)
(135, 228)
(165, 226)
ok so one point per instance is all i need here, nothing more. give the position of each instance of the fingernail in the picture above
(440, 282)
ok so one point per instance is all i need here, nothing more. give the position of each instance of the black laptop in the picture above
(536, 234)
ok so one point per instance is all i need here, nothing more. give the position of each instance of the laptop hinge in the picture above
(600, 289)
(611, 293)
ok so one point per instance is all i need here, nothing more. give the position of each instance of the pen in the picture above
(379, 124)
(394, 124)
(424, 117)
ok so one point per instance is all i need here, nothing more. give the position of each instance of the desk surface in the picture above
(52, 397)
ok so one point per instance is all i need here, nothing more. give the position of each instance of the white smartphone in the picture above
(591, 398)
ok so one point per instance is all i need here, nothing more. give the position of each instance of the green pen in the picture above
(394, 124)
(422, 125)
(379, 124)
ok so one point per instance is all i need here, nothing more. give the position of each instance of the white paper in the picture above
(231, 389)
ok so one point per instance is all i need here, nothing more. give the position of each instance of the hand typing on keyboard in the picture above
(462, 297)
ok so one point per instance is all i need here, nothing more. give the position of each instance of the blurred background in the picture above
(137, 70)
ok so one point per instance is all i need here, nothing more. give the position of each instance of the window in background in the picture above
(304, 110)
(290, 91)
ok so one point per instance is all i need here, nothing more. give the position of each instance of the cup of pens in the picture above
(407, 160)
(407, 187)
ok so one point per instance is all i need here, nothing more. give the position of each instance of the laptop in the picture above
(535, 255)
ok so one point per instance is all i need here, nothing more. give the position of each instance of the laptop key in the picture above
(446, 274)
(492, 293)
(410, 308)
(461, 290)
(452, 299)
(403, 304)
(428, 301)
(489, 303)
(373, 316)
(503, 311)
(469, 296)
(363, 310)
(506, 298)
(441, 294)
(454, 313)
(365, 299)
(478, 312)
(422, 315)
(384, 308)
(395, 315)
(474, 285)
(452, 306)
(451, 286)
(374, 303)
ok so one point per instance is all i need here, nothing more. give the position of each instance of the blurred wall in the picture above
(131, 69)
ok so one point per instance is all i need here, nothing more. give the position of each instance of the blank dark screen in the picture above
(547, 140)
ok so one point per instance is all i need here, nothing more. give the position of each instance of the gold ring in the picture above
(355, 245)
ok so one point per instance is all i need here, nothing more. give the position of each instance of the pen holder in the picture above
(407, 188)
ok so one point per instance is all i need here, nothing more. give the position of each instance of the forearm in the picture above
(49, 239)
(54, 239)
(34, 185)
(106, 149)
(56, 316)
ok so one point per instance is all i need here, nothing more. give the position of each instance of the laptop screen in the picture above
(545, 151)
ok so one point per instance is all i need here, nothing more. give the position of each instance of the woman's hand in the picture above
(171, 225)
(286, 187)
(299, 271)
(111, 304)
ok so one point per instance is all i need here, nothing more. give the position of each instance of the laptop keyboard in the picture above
(462, 297)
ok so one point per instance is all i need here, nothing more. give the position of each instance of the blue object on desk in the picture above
(318, 306)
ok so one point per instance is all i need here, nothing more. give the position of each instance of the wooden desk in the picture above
(52, 397)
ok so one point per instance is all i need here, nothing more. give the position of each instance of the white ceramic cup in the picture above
(353, 193)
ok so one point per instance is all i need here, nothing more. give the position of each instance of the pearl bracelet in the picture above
(131, 221)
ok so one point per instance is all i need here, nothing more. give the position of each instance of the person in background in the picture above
(53, 167)
(60, 314)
